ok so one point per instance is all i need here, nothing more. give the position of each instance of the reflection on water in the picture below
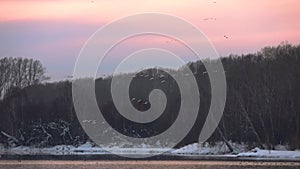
(146, 165)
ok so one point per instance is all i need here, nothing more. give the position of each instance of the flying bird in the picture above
(206, 19)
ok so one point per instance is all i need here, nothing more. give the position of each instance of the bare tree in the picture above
(19, 73)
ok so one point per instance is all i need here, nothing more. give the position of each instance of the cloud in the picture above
(54, 31)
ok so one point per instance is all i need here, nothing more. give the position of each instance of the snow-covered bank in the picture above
(218, 149)
(85, 149)
(256, 152)
(240, 150)
(206, 149)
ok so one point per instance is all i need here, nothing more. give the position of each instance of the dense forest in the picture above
(262, 107)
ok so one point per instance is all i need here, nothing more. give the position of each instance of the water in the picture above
(146, 165)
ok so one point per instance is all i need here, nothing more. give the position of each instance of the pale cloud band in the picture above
(54, 31)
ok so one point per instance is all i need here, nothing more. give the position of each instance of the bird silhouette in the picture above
(206, 19)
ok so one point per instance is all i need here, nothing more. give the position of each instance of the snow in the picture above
(88, 148)
(281, 147)
(85, 149)
(218, 149)
(240, 151)
(2, 149)
(206, 149)
(256, 152)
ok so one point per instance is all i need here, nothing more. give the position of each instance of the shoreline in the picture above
(163, 157)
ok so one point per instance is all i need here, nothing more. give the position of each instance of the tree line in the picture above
(19, 73)
(262, 106)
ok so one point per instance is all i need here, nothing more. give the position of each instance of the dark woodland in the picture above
(262, 107)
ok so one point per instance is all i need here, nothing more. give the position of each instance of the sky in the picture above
(54, 31)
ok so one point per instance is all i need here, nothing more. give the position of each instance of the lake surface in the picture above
(13, 164)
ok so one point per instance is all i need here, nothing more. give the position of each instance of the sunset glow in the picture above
(54, 31)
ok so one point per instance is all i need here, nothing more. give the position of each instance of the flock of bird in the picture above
(214, 19)
(162, 79)
(206, 19)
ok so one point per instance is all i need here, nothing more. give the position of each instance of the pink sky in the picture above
(55, 30)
